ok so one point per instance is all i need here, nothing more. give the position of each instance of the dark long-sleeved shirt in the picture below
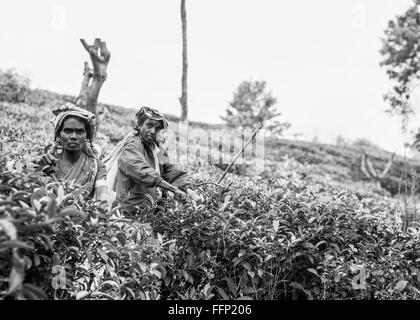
(137, 178)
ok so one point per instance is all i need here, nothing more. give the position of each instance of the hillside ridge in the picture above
(342, 162)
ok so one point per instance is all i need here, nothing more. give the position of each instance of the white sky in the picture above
(319, 58)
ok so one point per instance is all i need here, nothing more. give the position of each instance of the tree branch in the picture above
(100, 56)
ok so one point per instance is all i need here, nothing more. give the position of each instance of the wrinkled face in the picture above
(149, 129)
(73, 135)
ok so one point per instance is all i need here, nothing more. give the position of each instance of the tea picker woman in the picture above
(78, 161)
(138, 171)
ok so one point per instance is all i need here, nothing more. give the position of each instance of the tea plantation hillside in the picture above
(342, 163)
(307, 227)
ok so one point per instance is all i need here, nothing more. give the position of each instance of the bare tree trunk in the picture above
(370, 172)
(93, 81)
(183, 100)
(84, 89)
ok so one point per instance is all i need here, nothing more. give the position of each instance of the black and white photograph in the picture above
(226, 152)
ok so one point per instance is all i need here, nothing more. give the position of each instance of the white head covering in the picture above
(69, 109)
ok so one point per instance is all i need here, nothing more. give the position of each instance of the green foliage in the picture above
(343, 163)
(293, 232)
(364, 143)
(252, 106)
(286, 238)
(13, 87)
(400, 50)
(54, 246)
(257, 239)
(287, 242)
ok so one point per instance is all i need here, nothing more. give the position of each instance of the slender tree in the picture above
(183, 99)
(93, 79)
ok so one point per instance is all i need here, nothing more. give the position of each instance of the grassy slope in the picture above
(339, 163)
(293, 218)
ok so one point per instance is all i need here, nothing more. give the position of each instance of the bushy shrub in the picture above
(255, 242)
(364, 143)
(13, 87)
(293, 235)
(55, 247)
(39, 98)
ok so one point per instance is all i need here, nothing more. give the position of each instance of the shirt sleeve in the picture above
(173, 175)
(170, 172)
(133, 164)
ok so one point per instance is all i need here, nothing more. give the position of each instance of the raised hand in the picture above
(47, 159)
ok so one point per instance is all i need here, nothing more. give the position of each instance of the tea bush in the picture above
(13, 87)
(290, 235)
(53, 246)
(255, 242)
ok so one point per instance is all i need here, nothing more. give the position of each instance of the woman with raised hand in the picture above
(78, 162)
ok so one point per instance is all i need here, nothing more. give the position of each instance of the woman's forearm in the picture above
(167, 186)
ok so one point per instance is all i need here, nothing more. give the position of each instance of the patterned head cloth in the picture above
(153, 114)
(69, 109)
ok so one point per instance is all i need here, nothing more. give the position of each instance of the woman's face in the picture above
(149, 130)
(73, 135)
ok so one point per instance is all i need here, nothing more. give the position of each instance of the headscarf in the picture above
(69, 109)
(153, 114)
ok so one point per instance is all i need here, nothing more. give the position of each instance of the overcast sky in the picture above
(320, 58)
